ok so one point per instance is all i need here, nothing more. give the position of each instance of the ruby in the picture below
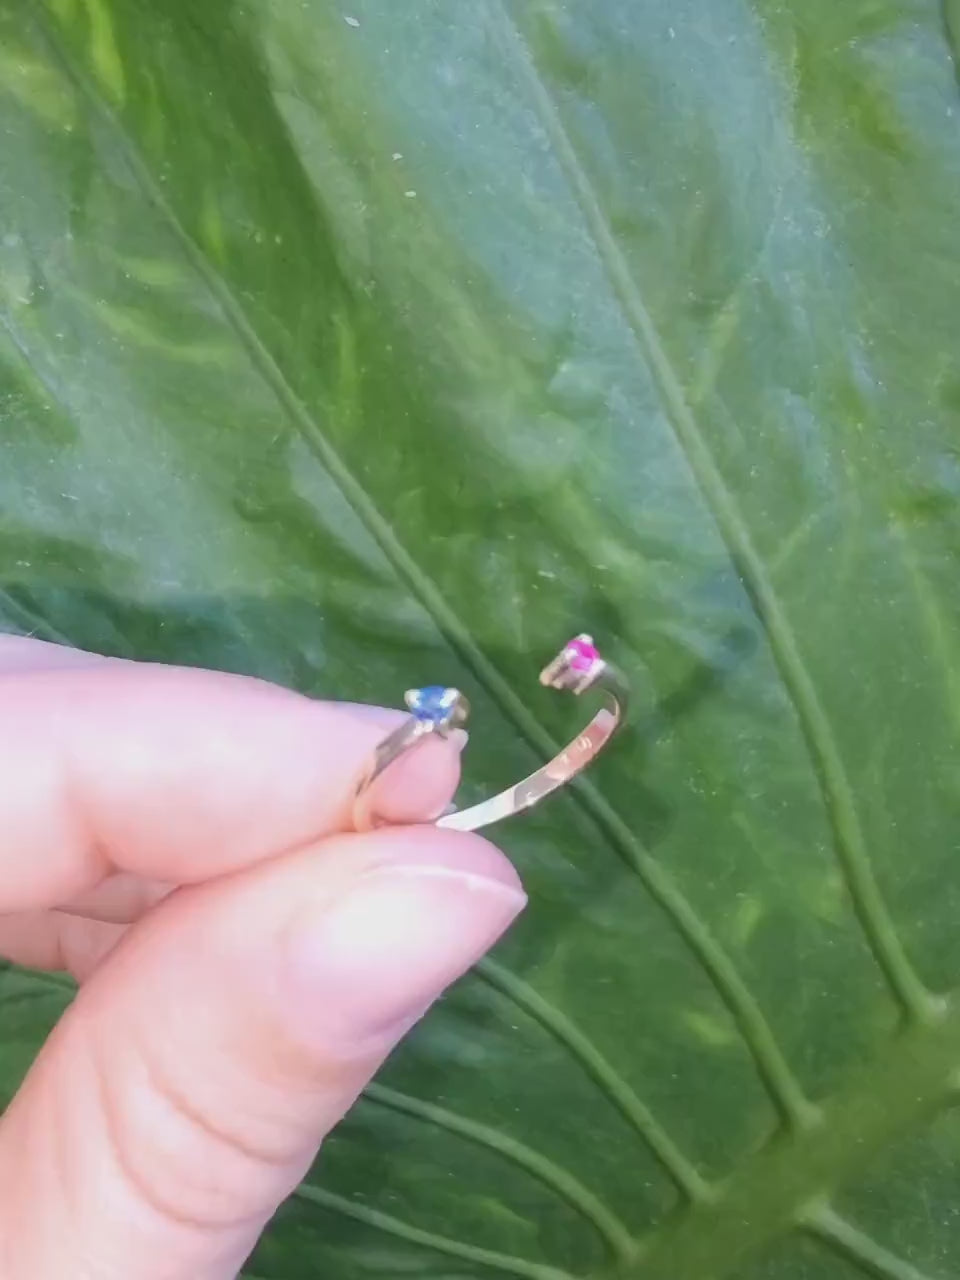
(581, 653)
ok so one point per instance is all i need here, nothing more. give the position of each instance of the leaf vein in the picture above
(31, 623)
(579, 1046)
(386, 1223)
(858, 1247)
(814, 723)
(615, 1235)
(775, 1188)
(950, 18)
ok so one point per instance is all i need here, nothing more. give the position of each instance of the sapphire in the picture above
(432, 704)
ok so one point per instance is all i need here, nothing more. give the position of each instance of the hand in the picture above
(179, 841)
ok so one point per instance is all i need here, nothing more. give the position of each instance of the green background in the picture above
(367, 344)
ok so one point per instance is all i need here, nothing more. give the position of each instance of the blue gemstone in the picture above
(433, 704)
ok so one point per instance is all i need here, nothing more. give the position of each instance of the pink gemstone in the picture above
(581, 654)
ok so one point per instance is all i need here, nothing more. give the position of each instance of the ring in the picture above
(438, 710)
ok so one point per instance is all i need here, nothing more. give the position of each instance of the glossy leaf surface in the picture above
(373, 344)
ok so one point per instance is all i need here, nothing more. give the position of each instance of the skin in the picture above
(180, 841)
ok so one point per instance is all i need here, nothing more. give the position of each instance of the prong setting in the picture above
(576, 667)
(437, 709)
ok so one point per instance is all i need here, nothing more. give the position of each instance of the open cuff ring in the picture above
(578, 667)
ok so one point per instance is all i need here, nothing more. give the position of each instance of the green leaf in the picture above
(357, 345)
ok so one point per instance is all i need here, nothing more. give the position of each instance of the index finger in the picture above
(177, 774)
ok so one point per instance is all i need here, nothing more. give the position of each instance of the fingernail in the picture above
(417, 788)
(371, 964)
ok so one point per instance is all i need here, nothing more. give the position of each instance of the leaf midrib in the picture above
(773, 1190)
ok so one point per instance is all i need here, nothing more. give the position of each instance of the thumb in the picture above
(186, 1091)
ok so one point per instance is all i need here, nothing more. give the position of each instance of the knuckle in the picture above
(178, 1160)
